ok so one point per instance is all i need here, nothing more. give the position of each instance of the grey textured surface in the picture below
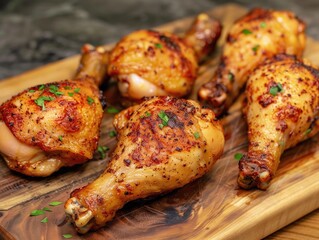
(36, 32)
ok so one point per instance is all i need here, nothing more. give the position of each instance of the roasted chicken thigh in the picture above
(252, 39)
(163, 144)
(49, 126)
(150, 63)
(282, 110)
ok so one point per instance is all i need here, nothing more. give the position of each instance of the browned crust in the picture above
(222, 90)
(163, 59)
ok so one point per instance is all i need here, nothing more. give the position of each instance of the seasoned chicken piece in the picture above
(282, 110)
(253, 38)
(149, 63)
(164, 143)
(49, 126)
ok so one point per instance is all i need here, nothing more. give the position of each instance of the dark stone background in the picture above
(36, 32)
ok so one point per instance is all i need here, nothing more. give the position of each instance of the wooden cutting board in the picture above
(212, 207)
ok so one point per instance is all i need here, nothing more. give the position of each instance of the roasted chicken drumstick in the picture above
(282, 110)
(49, 126)
(253, 38)
(163, 144)
(149, 63)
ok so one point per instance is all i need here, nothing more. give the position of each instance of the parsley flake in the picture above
(231, 77)
(60, 138)
(90, 100)
(55, 90)
(102, 150)
(238, 156)
(158, 45)
(55, 203)
(246, 31)
(273, 91)
(67, 236)
(37, 212)
(71, 94)
(308, 131)
(279, 86)
(46, 209)
(276, 89)
(67, 88)
(44, 220)
(112, 133)
(255, 48)
(163, 116)
(111, 109)
(31, 90)
(40, 101)
(146, 114)
(263, 25)
(41, 87)
(196, 135)
(77, 90)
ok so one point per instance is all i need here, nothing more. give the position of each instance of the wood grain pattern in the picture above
(212, 207)
(304, 228)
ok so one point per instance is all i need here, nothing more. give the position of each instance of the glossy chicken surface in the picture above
(163, 144)
(149, 63)
(252, 39)
(57, 124)
(282, 110)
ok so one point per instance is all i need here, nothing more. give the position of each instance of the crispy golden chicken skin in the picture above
(49, 126)
(150, 63)
(282, 110)
(252, 39)
(163, 144)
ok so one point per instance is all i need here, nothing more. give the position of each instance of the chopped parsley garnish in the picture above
(263, 24)
(77, 90)
(102, 150)
(67, 235)
(112, 133)
(146, 114)
(46, 209)
(112, 110)
(238, 156)
(60, 138)
(196, 135)
(276, 89)
(55, 203)
(255, 48)
(40, 101)
(308, 131)
(158, 45)
(31, 90)
(231, 77)
(55, 90)
(37, 212)
(246, 31)
(41, 87)
(163, 116)
(90, 100)
(67, 88)
(42, 211)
